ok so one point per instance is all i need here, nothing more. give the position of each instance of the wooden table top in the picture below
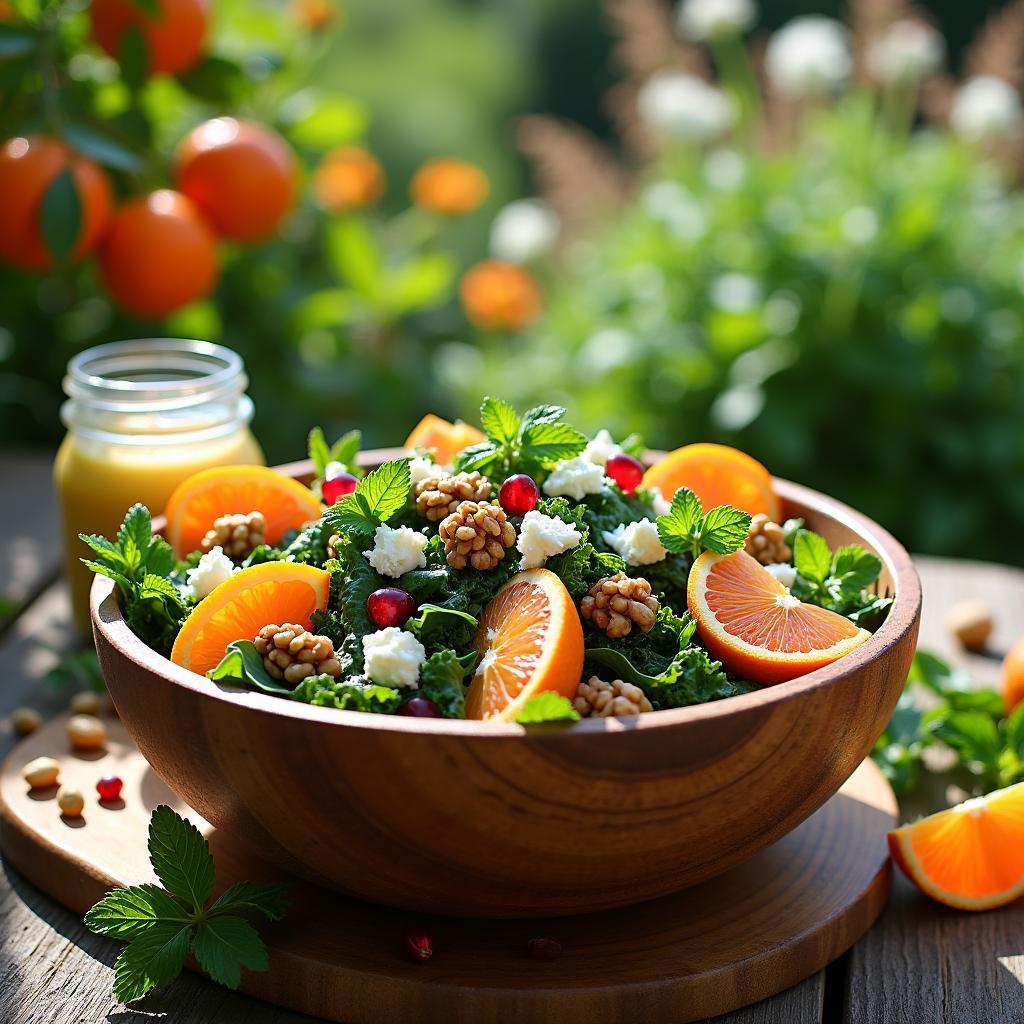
(921, 963)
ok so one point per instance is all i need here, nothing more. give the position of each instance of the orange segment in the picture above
(444, 439)
(718, 475)
(1013, 676)
(749, 621)
(199, 500)
(971, 856)
(529, 639)
(242, 605)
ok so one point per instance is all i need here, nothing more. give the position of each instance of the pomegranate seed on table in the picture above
(626, 471)
(419, 946)
(390, 606)
(419, 707)
(338, 486)
(109, 787)
(519, 494)
(543, 949)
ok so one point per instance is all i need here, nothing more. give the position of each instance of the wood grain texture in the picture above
(726, 943)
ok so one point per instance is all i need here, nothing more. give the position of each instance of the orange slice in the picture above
(718, 475)
(199, 500)
(749, 621)
(529, 639)
(444, 439)
(971, 856)
(1013, 676)
(242, 605)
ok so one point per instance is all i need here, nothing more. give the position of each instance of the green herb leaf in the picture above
(133, 536)
(547, 706)
(441, 681)
(482, 457)
(853, 568)
(319, 450)
(180, 857)
(153, 957)
(724, 530)
(346, 449)
(123, 913)
(243, 664)
(812, 556)
(379, 496)
(224, 945)
(247, 897)
(499, 420)
(680, 526)
(348, 695)
(543, 444)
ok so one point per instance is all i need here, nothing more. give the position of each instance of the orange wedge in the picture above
(749, 621)
(242, 605)
(1013, 676)
(718, 475)
(444, 439)
(971, 856)
(199, 500)
(529, 640)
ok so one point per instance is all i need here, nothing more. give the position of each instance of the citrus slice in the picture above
(1013, 677)
(198, 501)
(749, 621)
(444, 439)
(970, 856)
(718, 475)
(529, 640)
(242, 605)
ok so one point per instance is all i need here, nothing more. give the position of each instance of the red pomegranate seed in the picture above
(543, 949)
(519, 494)
(419, 946)
(419, 707)
(390, 606)
(338, 486)
(109, 787)
(626, 471)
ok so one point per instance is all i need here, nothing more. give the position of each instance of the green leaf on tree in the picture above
(61, 216)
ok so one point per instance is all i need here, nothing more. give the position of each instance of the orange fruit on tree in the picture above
(497, 295)
(28, 167)
(1013, 676)
(751, 623)
(449, 187)
(237, 609)
(348, 178)
(225, 490)
(240, 174)
(718, 475)
(444, 439)
(159, 254)
(175, 35)
(529, 640)
(970, 856)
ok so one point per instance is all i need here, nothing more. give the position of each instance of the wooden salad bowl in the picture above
(497, 820)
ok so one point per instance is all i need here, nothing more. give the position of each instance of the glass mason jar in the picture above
(142, 416)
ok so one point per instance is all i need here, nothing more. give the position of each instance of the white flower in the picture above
(575, 478)
(908, 51)
(396, 552)
(684, 107)
(809, 55)
(638, 543)
(701, 20)
(392, 657)
(213, 569)
(541, 537)
(785, 574)
(421, 468)
(601, 448)
(985, 107)
(524, 230)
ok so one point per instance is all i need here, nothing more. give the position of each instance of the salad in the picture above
(522, 572)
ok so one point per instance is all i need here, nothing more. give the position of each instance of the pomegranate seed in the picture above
(543, 949)
(390, 606)
(109, 787)
(626, 471)
(419, 946)
(519, 494)
(419, 707)
(338, 486)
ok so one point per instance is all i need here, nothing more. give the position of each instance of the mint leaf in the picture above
(853, 568)
(346, 449)
(973, 735)
(547, 706)
(247, 897)
(134, 534)
(379, 496)
(180, 857)
(680, 526)
(319, 450)
(812, 556)
(224, 945)
(484, 457)
(153, 957)
(543, 444)
(541, 414)
(123, 913)
(499, 420)
(724, 529)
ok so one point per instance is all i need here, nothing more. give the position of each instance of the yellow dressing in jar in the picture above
(141, 417)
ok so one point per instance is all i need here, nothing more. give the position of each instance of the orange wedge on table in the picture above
(718, 475)
(751, 623)
(198, 501)
(242, 605)
(444, 439)
(970, 856)
(529, 640)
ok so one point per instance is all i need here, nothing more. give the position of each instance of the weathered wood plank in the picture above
(801, 1004)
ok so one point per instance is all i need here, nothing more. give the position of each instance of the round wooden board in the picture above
(729, 942)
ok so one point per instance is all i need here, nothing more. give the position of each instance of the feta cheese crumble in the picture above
(542, 536)
(396, 552)
(601, 448)
(662, 506)
(575, 478)
(638, 543)
(785, 574)
(213, 569)
(392, 657)
(421, 468)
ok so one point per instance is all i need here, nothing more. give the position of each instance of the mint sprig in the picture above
(547, 706)
(344, 450)
(686, 529)
(378, 497)
(162, 927)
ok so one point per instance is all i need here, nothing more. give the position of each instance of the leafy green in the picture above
(352, 694)
(580, 567)
(243, 664)
(162, 926)
(547, 706)
(438, 626)
(344, 450)
(442, 678)
(685, 528)
(379, 496)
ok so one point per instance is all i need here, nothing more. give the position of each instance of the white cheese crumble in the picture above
(392, 657)
(421, 468)
(397, 551)
(601, 448)
(213, 569)
(542, 536)
(638, 543)
(662, 506)
(575, 478)
(785, 574)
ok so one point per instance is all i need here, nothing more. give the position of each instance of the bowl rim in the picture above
(110, 626)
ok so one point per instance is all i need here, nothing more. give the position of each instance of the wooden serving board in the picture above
(729, 942)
